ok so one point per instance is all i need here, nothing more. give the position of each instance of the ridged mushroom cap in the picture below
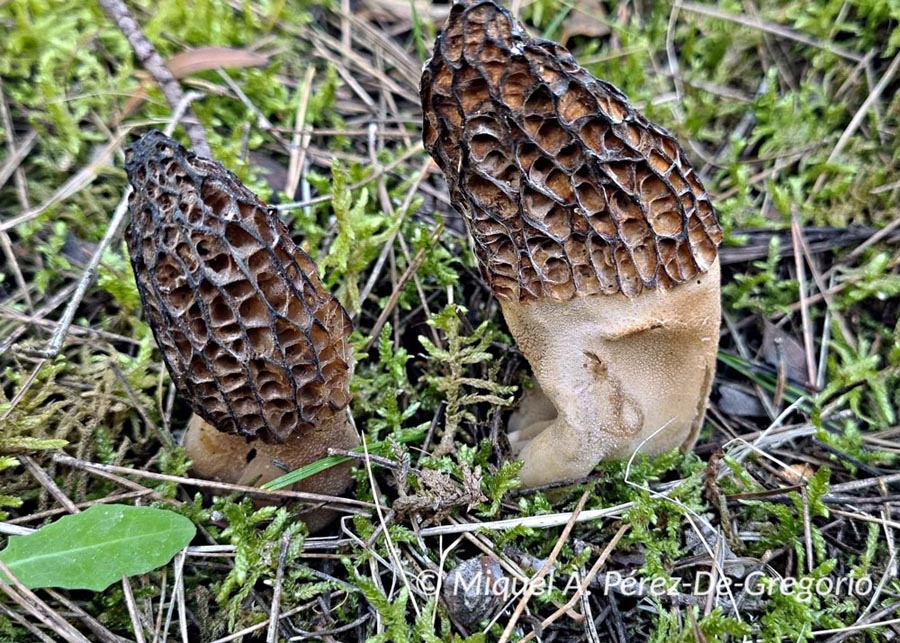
(248, 333)
(567, 190)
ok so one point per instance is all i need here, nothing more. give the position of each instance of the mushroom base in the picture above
(235, 460)
(617, 375)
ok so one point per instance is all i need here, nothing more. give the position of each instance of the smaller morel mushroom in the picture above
(594, 233)
(248, 333)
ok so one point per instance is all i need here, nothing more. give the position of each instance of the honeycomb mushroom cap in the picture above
(567, 190)
(246, 329)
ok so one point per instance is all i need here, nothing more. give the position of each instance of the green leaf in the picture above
(95, 548)
(311, 469)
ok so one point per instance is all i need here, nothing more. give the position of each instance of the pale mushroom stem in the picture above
(621, 374)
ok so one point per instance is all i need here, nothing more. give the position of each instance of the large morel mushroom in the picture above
(248, 333)
(594, 233)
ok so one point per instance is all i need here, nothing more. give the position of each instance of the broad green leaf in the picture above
(95, 548)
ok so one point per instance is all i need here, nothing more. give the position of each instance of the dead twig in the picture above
(150, 59)
(335, 502)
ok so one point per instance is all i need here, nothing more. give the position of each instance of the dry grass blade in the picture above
(543, 571)
(97, 629)
(80, 181)
(87, 278)
(32, 603)
(774, 29)
(136, 626)
(272, 632)
(588, 579)
(14, 160)
(300, 142)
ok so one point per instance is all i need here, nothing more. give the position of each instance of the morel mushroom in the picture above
(248, 333)
(594, 233)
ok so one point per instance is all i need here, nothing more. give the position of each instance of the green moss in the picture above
(758, 114)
